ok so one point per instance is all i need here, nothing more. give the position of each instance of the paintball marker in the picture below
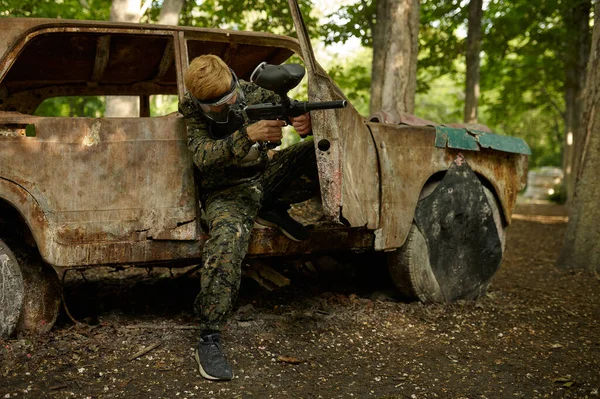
(280, 79)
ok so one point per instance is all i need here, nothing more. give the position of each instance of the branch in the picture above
(144, 8)
(64, 302)
(144, 351)
(552, 102)
(369, 20)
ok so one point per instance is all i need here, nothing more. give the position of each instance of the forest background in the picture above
(531, 55)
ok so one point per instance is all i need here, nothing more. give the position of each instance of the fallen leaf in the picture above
(566, 381)
(290, 360)
(556, 346)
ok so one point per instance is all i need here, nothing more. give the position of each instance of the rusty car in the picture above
(79, 192)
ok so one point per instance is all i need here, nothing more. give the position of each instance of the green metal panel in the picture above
(473, 140)
(454, 138)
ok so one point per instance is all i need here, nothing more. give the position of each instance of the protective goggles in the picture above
(218, 108)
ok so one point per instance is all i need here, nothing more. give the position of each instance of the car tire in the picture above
(416, 278)
(30, 293)
(11, 291)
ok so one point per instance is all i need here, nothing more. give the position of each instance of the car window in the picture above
(70, 73)
(95, 106)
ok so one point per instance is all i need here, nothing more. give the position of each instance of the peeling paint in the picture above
(93, 135)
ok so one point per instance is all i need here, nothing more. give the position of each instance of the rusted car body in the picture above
(112, 191)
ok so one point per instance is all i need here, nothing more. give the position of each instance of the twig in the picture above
(568, 311)
(144, 351)
(64, 302)
(161, 327)
(57, 387)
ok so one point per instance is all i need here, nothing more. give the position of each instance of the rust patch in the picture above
(268, 241)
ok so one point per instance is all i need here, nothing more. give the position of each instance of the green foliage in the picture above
(67, 9)
(163, 104)
(353, 77)
(440, 41)
(257, 15)
(442, 102)
(92, 107)
(354, 20)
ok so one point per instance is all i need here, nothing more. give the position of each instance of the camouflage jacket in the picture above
(229, 160)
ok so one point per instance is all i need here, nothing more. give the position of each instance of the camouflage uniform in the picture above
(236, 179)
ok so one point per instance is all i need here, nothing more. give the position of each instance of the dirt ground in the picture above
(336, 332)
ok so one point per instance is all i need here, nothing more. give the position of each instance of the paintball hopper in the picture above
(278, 78)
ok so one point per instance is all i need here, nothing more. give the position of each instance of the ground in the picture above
(338, 331)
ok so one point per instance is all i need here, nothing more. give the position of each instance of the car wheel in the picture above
(30, 293)
(455, 243)
(11, 291)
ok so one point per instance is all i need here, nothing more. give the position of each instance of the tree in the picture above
(170, 12)
(395, 51)
(473, 59)
(391, 28)
(577, 26)
(257, 15)
(581, 248)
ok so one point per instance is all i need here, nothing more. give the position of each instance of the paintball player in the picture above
(239, 184)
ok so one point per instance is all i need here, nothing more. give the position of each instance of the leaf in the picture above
(556, 346)
(563, 379)
(290, 359)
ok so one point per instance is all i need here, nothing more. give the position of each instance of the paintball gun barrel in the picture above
(294, 108)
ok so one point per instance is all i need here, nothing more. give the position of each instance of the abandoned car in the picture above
(92, 191)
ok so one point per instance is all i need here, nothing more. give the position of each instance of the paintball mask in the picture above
(220, 108)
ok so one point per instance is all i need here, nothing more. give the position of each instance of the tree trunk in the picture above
(577, 20)
(124, 106)
(395, 50)
(473, 60)
(581, 248)
(125, 10)
(170, 11)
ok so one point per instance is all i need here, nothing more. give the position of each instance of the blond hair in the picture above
(208, 76)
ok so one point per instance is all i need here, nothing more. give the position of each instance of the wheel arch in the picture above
(23, 229)
(26, 219)
(419, 268)
(488, 183)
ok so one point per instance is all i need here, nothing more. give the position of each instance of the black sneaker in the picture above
(211, 360)
(283, 221)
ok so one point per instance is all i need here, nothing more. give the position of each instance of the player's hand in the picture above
(266, 130)
(302, 124)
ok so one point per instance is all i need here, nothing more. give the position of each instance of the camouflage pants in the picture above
(290, 177)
